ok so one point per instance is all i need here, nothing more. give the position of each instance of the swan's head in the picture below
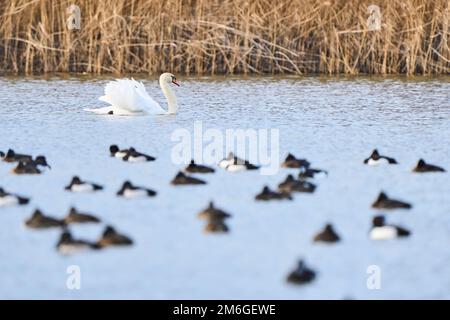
(168, 78)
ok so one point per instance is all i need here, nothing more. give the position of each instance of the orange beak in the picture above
(175, 83)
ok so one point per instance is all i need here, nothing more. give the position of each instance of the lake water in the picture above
(333, 122)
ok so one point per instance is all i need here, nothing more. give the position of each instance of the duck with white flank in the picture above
(12, 156)
(382, 231)
(235, 164)
(2, 154)
(135, 156)
(183, 179)
(267, 194)
(116, 152)
(306, 173)
(292, 185)
(216, 225)
(292, 162)
(26, 168)
(111, 237)
(192, 167)
(327, 235)
(384, 202)
(74, 216)
(128, 190)
(9, 199)
(78, 185)
(422, 166)
(376, 159)
(68, 245)
(212, 212)
(229, 160)
(40, 221)
(301, 274)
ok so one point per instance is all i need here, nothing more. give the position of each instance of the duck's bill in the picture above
(175, 83)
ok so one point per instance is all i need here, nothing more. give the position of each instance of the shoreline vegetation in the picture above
(214, 37)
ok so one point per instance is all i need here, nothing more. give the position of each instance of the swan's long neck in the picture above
(170, 96)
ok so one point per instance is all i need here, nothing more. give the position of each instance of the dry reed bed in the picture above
(225, 36)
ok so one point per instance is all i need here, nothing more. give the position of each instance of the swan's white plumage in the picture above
(129, 97)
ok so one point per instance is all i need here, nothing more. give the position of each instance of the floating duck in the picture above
(301, 274)
(327, 235)
(384, 202)
(26, 168)
(74, 216)
(12, 156)
(306, 173)
(116, 152)
(192, 167)
(134, 156)
(68, 245)
(212, 212)
(183, 179)
(422, 166)
(9, 199)
(39, 221)
(382, 231)
(128, 190)
(292, 162)
(292, 185)
(111, 237)
(376, 159)
(267, 194)
(78, 185)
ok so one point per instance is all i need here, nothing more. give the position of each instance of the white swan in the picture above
(129, 97)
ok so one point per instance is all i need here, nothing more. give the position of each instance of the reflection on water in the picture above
(334, 122)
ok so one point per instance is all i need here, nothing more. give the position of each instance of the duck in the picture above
(234, 164)
(301, 274)
(224, 163)
(183, 179)
(384, 202)
(376, 159)
(382, 231)
(422, 166)
(111, 237)
(40, 161)
(212, 212)
(292, 162)
(216, 225)
(26, 168)
(128, 190)
(327, 235)
(240, 165)
(12, 156)
(135, 156)
(68, 245)
(267, 194)
(2, 154)
(306, 173)
(292, 185)
(78, 185)
(40, 221)
(116, 152)
(74, 216)
(192, 167)
(9, 199)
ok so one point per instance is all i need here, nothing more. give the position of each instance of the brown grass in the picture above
(225, 37)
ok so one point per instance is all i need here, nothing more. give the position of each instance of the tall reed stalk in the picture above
(225, 37)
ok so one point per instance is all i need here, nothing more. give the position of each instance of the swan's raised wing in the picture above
(128, 95)
(143, 98)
